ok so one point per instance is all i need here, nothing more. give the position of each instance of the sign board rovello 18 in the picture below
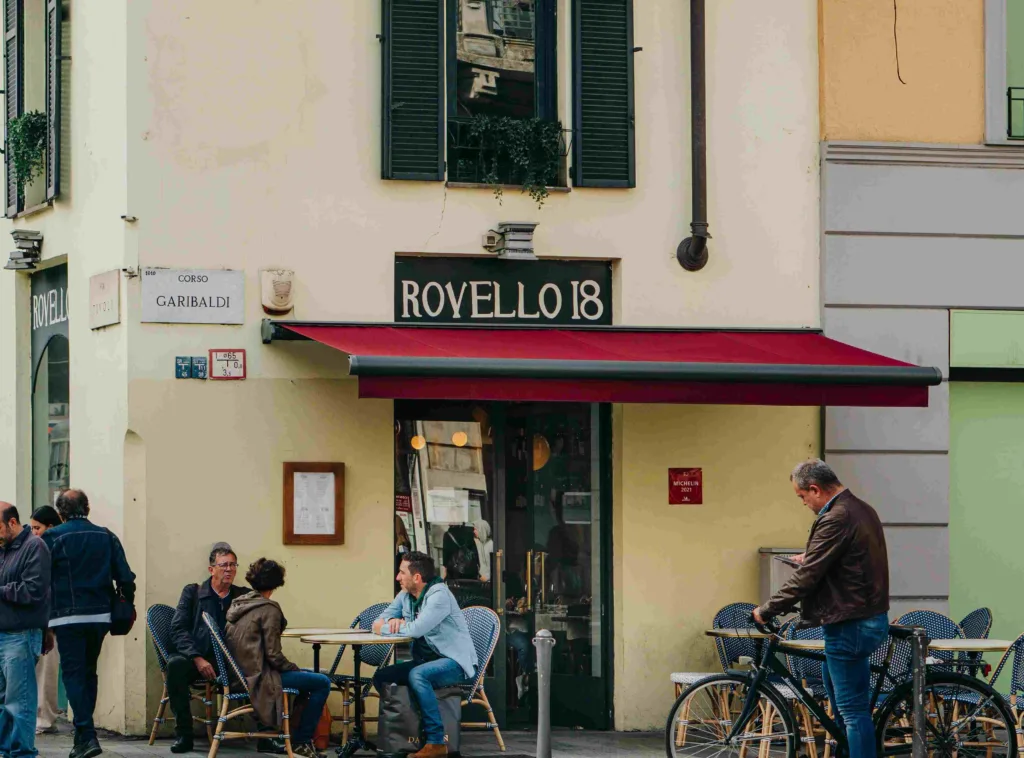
(487, 291)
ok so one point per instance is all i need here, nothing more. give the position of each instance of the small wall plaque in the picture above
(182, 367)
(685, 486)
(227, 364)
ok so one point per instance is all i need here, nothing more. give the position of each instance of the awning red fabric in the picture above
(619, 365)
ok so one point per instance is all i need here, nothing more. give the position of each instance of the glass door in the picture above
(555, 542)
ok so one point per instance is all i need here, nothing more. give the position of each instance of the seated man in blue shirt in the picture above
(442, 650)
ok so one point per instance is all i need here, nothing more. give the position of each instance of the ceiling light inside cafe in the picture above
(459, 439)
(418, 442)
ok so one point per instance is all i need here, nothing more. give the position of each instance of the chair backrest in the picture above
(1017, 672)
(937, 626)
(977, 624)
(225, 661)
(807, 669)
(158, 619)
(484, 629)
(365, 621)
(734, 616)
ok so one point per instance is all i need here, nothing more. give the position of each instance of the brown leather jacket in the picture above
(253, 635)
(845, 574)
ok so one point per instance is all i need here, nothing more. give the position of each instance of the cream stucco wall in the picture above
(942, 62)
(246, 134)
(675, 566)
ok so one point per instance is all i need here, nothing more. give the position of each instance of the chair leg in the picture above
(346, 715)
(208, 710)
(159, 714)
(221, 723)
(684, 717)
(286, 725)
(491, 721)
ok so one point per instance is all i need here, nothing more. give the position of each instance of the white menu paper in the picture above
(313, 506)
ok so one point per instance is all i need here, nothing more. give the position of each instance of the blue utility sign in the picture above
(182, 367)
(198, 367)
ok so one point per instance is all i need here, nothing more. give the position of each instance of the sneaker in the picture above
(271, 745)
(307, 750)
(88, 749)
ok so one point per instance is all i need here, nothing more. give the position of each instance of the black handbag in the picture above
(122, 610)
(398, 729)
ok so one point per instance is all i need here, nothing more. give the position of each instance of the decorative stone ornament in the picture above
(276, 290)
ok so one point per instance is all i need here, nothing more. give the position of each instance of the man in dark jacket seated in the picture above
(192, 657)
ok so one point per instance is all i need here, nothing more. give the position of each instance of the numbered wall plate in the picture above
(227, 364)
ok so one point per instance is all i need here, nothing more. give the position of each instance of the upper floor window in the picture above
(453, 67)
(1004, 71)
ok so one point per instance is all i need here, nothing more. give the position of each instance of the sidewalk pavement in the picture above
(565, 743)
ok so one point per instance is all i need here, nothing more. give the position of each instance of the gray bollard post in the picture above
(918, 669)
(545, 642)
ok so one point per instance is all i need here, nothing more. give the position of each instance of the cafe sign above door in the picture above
(465, 290)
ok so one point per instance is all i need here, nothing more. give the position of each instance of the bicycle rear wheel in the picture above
(703, 716)
(965, 718)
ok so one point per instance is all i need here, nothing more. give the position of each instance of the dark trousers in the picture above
(181, 672)
(80, 646)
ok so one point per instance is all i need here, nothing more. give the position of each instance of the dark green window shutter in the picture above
(603, 129)
(53, 101)
(413, 96)
(13, 21)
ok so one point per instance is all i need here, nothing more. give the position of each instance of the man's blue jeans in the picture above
(423, 679)
(317, 687)
(847, 677)
(19, 652)
(80, 646)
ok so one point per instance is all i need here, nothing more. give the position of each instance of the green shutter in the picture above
(13, 20)
(413, 96)
(603, 129)
(53, 99)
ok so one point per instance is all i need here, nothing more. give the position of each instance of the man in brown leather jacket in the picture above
(843, 585)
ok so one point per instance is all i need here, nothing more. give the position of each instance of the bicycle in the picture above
(735, 713)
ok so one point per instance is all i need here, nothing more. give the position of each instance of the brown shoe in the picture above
(431, 751)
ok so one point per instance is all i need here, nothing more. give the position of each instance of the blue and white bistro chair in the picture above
(158, 619)
(237, 700)
(484, 628)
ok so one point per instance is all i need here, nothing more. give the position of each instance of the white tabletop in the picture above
(970, 645)
(305, 631)
(363, 638)
(745, 633)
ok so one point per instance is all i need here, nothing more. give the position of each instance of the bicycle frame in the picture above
(770, 664)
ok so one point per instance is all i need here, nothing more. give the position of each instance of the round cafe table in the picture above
(356, 740)
(970, 645)
(305, 631)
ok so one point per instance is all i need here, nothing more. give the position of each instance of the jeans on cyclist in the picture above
(847, 677)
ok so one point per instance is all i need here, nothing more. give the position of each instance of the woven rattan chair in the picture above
(158, 619)
(976, 625)
(938, 627)
(809, 672)
(1014, 694)
(231, 677)
(732, 616)
(484, 628)
(372, 655)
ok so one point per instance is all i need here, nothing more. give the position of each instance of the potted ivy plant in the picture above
(26, 144)
(526, 152)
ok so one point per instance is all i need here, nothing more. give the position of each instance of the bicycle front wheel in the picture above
(703, 716)
(964, 718)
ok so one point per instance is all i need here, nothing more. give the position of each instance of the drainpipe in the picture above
(692, 252)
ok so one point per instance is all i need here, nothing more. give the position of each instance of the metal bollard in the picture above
(918, 668)
(545, 643)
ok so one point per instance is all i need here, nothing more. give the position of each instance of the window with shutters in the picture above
(34, 31)
(452, 66)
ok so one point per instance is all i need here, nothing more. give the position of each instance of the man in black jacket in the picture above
(192, 658)
(24, 612)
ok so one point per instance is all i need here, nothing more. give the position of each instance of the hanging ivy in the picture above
(524, 152)
(26, 142)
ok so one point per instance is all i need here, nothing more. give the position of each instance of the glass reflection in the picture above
(496, 58)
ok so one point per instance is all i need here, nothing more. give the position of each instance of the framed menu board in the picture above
(314, 503)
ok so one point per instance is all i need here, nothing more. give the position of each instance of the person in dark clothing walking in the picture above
(842, 584)
(87, 561)
(24, 610)
(193, 656)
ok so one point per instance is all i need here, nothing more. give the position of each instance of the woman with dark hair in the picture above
(48, 665)
(253, 634)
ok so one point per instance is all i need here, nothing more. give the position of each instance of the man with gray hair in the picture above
(842, 584)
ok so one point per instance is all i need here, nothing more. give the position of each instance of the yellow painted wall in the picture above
(942, 61)
(675, 566)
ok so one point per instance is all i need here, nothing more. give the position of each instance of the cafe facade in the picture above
(267, 343)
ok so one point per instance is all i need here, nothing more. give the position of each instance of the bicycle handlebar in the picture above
(770, 626)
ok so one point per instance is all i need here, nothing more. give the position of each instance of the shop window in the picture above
(450, 70)
(51, 438)
(35, 32)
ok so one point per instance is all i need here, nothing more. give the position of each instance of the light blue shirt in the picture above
(828, 505)
(440, 623)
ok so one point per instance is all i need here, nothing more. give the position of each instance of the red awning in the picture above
(619, 365)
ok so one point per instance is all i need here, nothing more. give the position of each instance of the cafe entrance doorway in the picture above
(513, 503)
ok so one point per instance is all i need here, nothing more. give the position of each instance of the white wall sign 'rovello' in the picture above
(192, 296)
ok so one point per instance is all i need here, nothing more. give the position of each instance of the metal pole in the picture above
(545, 642)
(920, 643)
